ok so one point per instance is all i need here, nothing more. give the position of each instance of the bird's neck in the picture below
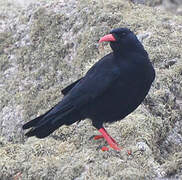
(130, 51)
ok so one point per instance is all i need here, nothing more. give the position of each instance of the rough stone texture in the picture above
(174, 6)
(44, 46)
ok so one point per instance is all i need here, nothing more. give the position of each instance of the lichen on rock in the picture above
(46, 45)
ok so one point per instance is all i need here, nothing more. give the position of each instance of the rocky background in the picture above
(174, 6)
(44, 46)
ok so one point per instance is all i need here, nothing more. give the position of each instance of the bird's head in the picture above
(122, 40)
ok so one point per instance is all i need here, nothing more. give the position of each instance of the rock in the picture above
(141, 37)
(43, 49)
(170, 63)
(175, 6)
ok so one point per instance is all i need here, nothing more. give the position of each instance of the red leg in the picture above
(109, 139)
(101, 136)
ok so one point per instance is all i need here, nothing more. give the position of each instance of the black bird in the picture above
(112, 88)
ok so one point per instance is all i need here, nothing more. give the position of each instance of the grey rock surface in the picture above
(173, 6)
(44, 46)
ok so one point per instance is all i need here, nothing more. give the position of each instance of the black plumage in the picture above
(112, 88)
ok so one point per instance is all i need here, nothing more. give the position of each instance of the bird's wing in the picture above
(69, 87)
(97, 80)
(93, 85)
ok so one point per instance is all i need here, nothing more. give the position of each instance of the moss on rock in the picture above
(47, 45)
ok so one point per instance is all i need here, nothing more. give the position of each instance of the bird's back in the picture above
(126, 94)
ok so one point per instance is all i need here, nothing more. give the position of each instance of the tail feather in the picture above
(35, 121)
(43, 130)
(47, 123)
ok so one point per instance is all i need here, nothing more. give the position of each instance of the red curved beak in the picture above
(107, 38)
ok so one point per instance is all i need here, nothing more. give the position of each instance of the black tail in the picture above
(47, 123)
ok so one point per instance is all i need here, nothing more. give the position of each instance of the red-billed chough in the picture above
(112, 88)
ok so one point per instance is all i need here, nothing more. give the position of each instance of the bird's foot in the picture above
(98, 137)
(101, 137)
(112, 143)
(104, 148)
(114, 146)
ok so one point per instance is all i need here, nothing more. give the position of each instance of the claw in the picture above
(112, 143)
(104, 148)
(98, 137)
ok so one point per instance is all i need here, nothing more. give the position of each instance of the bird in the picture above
(109, 91)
